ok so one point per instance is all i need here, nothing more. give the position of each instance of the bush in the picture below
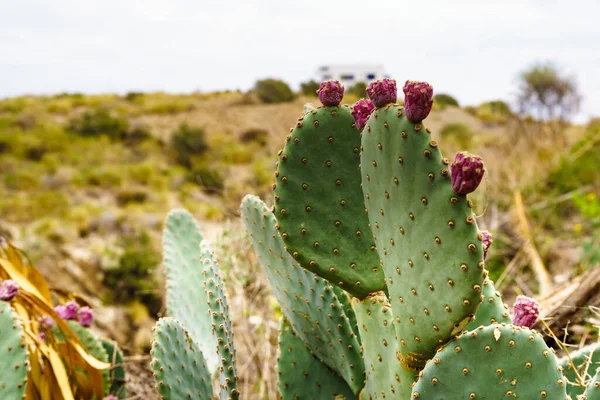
(188, 142)
(259, 136)
(131, 195)
(209, 178)
(359, 90)
(494, 112)
(132, 278)
(273, 91)
(309, 88)
(457, 133)
(99, 122)
(444, 100)
(134, 97)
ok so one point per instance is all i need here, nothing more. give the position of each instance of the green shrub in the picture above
(131, 195)
(273, 91)
(133, 278)
(444, 100)
(105, 177)
(359, 90)
(134, 97)
(99, 122)
(457, 133)
(209, 178)
(496, 112)
(309, 88)
(21, 179)
(188, 142)
(259, 136)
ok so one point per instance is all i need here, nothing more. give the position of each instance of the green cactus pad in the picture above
(186, 300)
(179, 366)
(319, 203)
(586, 360)
(386, 377)
(13, 355)
(426, 234)
(93, 345)
(593, 390)
(221, 323)
(492, 362)
(117, 370)
(301, 375)
(307, 301)
(492, 309)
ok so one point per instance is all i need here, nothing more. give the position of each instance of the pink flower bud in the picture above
(361, 111)
(382, 92)
(85, 316)
(330, 93)
(8, 290)
(486, 241)
(526, 311)
(111, 397)
(46, 322)
(418, 99)
(68, 311)
(467, 171)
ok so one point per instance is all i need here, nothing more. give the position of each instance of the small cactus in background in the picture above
(37, 337)
(196, 336)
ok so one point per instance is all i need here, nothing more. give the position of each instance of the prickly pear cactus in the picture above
(585, 360)
(185, 300)
(593, 390)
(117, 370)
(386, 377)
(179, 366)
(492, 309)
(13, 354)
(318, 201)
(301, 375)
(221, 323)
(492, 362)
(307, 301)
(425, 233)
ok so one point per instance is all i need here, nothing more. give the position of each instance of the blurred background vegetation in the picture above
(87, 180)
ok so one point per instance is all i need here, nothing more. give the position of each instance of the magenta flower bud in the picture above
(111, 397)
(68, 311)
(85, 316)
(418, 99)
(526, 311)
(330, 93)
(361, 111)
(46, 322)
(486, 241)
(382, 92)
(42, 336)
(467, 171)
(8, 290)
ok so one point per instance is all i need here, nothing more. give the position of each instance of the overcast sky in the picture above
(473, 50)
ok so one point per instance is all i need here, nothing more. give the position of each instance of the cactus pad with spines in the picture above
(426, 234)
(186, 301)
(386, 377)
(13, 354)
(492, 362)
(586, 360)
(221, 323)
(307, 301)
(301, 375)
(319, 205)
(117, 369)
(93, 345)
(179, 366)
(593, 390)
(492, 309)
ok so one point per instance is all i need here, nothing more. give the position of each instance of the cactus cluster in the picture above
(373, 251)
(50, 352)
(194, 342)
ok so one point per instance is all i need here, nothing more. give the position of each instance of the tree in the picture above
(546, 94)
